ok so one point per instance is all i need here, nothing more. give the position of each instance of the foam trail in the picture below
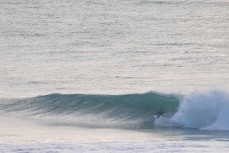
(204, 110)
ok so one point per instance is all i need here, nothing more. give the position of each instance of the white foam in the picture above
(204, 110)
(164, 121)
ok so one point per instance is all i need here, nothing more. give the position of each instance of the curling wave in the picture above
(200, 110)
(115, 111)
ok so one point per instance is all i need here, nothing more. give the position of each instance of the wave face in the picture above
(200, 110)
(119, 111)
(204, 110)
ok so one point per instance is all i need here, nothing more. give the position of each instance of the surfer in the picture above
(160, 112)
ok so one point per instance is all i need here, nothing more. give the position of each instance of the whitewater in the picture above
(89, 76)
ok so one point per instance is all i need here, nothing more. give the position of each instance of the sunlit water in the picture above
(111, 47)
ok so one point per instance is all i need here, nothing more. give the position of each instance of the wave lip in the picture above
(204, 110)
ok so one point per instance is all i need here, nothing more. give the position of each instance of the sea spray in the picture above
(204, 110)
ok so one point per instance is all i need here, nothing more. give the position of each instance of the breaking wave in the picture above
(104, 111)
(201, 110)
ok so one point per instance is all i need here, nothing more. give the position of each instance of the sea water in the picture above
(88, 76)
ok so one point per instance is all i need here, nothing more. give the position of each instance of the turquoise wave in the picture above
(130, 108)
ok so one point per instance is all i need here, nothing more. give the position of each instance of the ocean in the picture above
(89, 76)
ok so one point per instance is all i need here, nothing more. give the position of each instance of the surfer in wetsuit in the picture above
(161, 112)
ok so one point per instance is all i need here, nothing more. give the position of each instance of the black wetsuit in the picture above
(161, 112)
